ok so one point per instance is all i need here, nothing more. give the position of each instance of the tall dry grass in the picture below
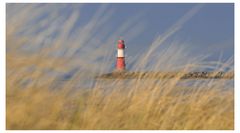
(36, 100)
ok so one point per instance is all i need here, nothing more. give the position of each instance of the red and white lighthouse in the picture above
(120, 65)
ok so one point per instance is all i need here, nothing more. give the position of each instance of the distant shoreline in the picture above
(161, 75)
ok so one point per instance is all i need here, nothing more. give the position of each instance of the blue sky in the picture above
(209, 30)
(211, 26)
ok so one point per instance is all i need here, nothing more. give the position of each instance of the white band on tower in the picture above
(120, 53)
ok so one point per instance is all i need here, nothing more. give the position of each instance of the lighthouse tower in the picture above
(120, 65)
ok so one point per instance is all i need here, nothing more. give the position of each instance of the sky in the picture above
(204, 29)
(211, 26)
(209, 31)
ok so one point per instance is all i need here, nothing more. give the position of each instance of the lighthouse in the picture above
(120, 65)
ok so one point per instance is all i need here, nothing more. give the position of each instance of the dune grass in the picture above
(34, 101)
(155, 106)
(136, 104)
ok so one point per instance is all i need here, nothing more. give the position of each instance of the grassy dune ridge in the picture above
(139, 104)
(154, 107)
(32, 103)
